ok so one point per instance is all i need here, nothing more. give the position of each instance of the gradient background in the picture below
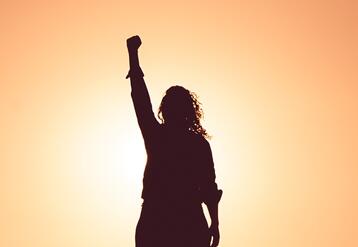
(279, 86)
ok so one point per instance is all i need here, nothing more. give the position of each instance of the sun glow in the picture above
(278, 83)
(110, 158)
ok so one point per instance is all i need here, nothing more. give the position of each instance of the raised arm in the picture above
(140, 95)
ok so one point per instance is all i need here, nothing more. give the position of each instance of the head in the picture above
(180, 108)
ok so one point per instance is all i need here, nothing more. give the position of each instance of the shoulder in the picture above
(200, 141)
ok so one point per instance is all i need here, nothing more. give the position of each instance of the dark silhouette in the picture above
(179, 174)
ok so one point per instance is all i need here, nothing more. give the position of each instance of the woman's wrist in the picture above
(132, 51)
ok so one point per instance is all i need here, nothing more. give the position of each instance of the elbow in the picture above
(213, 197)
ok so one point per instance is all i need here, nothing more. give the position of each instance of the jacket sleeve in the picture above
(142, 104)
(209, 189)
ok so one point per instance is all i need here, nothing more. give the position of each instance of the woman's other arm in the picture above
(211, 195)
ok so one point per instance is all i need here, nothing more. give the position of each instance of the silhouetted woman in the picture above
(179, 174)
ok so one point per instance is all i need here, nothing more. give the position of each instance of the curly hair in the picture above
(181, 106)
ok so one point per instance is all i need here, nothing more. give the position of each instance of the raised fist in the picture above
(133, 43)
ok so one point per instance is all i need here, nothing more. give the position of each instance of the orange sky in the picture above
(279, 86)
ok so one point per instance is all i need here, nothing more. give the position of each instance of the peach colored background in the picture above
(278, 82)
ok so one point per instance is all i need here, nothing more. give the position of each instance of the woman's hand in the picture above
(215, 235)
(133, 43)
